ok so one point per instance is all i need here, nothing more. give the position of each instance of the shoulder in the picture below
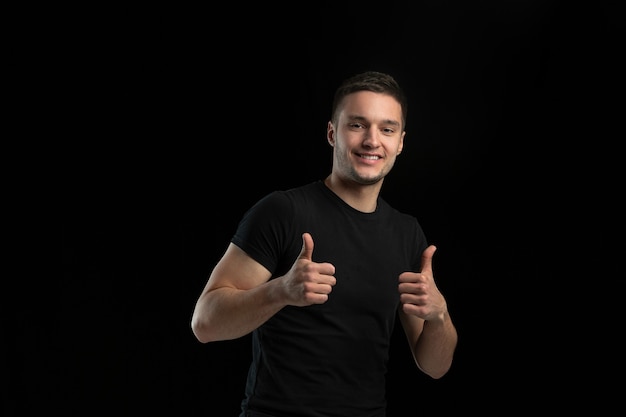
(304, 194)
(396, 215)
(281, 203)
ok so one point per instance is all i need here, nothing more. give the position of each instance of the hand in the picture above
(418, 293)
(308, 282)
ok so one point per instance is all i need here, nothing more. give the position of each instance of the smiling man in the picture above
(320, 273)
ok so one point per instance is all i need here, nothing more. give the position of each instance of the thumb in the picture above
(307, 247)
(427, 258)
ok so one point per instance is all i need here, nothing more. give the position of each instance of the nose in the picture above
(372, 137)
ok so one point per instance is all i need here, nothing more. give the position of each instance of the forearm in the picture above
(228, 313)
(435, 347)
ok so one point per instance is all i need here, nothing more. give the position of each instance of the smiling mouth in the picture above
(370, 157)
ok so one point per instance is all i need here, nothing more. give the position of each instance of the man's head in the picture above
(366, 130)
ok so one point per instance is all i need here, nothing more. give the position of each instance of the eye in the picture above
(356, 126)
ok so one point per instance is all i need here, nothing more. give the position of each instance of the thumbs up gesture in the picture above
(419, 294)
(308, 282)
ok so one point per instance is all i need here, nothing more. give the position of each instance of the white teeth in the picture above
(369, 157)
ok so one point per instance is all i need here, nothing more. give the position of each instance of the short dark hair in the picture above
(375, 81)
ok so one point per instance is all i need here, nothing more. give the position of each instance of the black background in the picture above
(179, 120)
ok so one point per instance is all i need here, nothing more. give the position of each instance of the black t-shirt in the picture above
(328, 359)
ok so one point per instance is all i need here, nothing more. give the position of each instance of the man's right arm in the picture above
(239, 295)
(237, 298)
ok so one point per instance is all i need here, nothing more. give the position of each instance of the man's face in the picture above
(367, 137)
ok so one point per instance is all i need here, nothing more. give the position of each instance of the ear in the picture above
(330, 134)
(401, 144)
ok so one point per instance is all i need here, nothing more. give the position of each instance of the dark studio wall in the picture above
(180, 127)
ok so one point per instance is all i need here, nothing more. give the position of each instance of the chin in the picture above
(368, 180)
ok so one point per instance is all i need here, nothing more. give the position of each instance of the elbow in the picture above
(201, 330)
(434, 373)
(438, 374)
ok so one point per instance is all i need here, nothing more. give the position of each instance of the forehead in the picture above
(371, 105)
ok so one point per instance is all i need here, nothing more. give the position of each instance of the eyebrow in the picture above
(353, 117)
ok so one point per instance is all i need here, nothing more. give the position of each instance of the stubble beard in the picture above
(350, 173)
(355, 176)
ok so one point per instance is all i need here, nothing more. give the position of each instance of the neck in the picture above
(362, 197)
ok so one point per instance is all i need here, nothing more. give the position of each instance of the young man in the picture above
(319, 274)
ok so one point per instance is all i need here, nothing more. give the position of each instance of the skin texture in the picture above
(366, 134)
